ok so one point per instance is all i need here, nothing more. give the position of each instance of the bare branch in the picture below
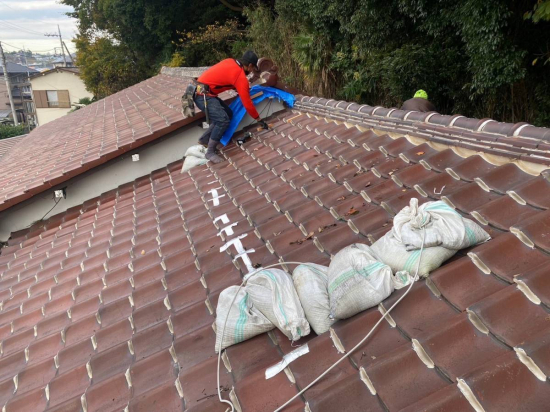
(230, 6)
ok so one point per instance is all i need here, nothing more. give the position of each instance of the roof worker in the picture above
(419, 103)
(229, 74)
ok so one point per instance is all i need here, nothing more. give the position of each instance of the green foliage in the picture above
(108, 67)
(85, 101)
(208, 45)
(7, 131)
(145, 30)
(540, 12)
(477, 57)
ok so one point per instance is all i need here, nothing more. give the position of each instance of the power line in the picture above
(14, 26)
(9, 7)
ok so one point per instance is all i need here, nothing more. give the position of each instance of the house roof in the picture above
(111, 303)
(68, 146)
(74, 70)
(7, 144)
(16, 68)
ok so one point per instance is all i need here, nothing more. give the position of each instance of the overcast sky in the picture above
(23, 23)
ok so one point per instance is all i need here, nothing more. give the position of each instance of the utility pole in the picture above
(8, 85)
(60, 41)
(69, 53)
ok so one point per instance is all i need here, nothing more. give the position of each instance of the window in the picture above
(29, 107)
(52, 98)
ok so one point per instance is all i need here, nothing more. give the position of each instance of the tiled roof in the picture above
(112, 303)
(7, 144)
(16, 68)
(91, 136)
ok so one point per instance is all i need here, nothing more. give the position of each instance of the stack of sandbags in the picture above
(444, 232)
(359, 277)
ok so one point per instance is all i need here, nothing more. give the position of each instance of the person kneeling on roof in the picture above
(229, 74)
(419, 103)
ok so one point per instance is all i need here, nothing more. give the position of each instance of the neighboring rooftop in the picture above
(111, 304)
(7, 144)
(16, 68)
(74, 70)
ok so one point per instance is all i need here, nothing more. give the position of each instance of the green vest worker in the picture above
(419, 103)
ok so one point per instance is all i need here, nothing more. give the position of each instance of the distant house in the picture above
(68, 61)
(55, 91)
(21, 91)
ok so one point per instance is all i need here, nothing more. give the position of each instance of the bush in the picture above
(7, 131)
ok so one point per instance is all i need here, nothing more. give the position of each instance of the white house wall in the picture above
(61, 80)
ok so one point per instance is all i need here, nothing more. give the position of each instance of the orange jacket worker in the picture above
(229, 74)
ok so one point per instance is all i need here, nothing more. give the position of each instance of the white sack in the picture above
(311, 283)
(357, 281)
(244, 321)
(192, 161)
(196, 151)
(446, 231)
(443, 226)
(273, 294)
(394, 254)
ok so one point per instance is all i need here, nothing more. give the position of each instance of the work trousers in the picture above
(219, 115)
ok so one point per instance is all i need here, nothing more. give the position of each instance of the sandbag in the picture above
(444, 230)
(244, 321)
(357, 281)
(196, 151)
(272, 293)
(394, 254)
(311, 283)
(192, 161)
(443, 226)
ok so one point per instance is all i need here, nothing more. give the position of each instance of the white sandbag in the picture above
(244, 321)
(394, 254)
(272, 293)
(444, 231)
(196, 151)
(443, 226)
(357, 281)
(192, 161)
(311, 283)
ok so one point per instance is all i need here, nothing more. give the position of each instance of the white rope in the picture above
(415, 278)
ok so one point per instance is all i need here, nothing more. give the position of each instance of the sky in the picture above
(23, 23)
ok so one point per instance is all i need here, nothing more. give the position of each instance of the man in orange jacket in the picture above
(228, 74)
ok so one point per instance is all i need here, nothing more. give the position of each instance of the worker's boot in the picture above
(211, 152)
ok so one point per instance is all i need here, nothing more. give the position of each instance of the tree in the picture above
(147, 30)
(108, 67)
(474, 56)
